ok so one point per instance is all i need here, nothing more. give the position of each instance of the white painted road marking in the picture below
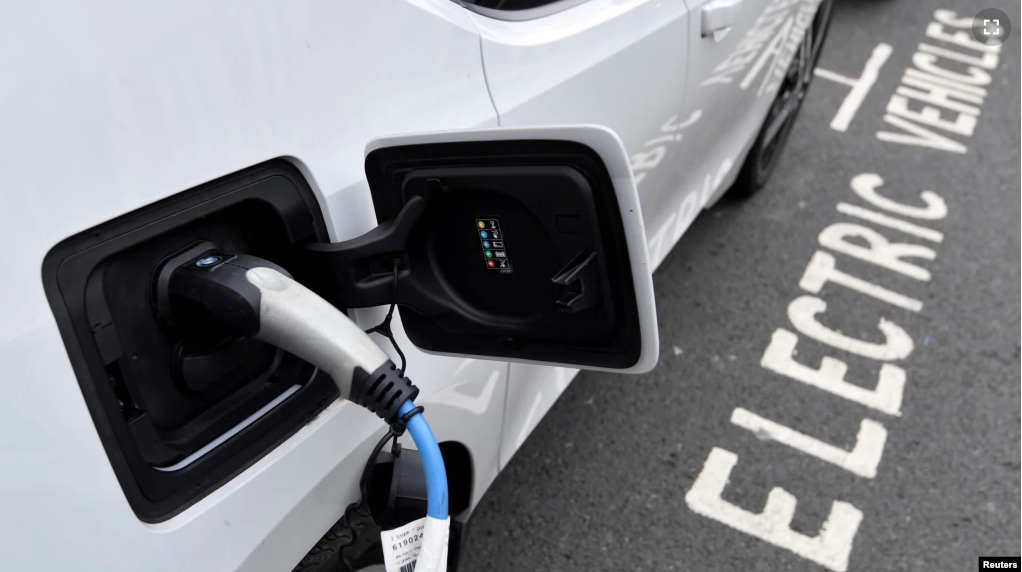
(843, 237)
(866, 184)
(862, 460)
(822, 268)
(891, 222)
(830, 377)
(802, 312)
(830, 548)
(860, 86)
(954, 98)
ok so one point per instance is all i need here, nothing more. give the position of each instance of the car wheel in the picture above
(773, 135)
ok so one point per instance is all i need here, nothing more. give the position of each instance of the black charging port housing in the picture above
(161, 395)
(568, 296)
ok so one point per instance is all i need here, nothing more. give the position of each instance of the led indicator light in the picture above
(490, 264)
(489, 254)
(481, 224)
(484, 234)
(486, 244)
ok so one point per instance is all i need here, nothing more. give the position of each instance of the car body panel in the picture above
(108, 108)
(531, 391)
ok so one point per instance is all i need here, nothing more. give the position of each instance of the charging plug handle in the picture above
(203, 287)
(251, 297)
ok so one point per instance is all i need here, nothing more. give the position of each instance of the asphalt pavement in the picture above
(601, 484)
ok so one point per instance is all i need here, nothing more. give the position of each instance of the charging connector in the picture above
(251, 297)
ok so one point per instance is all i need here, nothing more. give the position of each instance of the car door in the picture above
(738, 52)
(616, 63)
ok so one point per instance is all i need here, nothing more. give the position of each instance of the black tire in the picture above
(765, 152)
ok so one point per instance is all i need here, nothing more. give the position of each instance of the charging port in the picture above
(175, 433)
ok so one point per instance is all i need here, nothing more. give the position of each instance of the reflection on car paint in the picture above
(648, 160)
(679, 221)
(771, 42)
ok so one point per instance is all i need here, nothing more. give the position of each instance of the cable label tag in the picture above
(401, 545)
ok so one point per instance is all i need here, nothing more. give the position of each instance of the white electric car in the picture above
(371, 148)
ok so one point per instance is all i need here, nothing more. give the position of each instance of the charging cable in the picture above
(252, 297)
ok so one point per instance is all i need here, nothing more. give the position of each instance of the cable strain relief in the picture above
(383, 391)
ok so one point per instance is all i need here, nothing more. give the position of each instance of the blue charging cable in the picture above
(432, 462)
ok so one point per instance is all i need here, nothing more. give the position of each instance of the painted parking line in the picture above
(860, 86)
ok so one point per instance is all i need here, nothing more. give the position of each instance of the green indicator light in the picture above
(489, 254)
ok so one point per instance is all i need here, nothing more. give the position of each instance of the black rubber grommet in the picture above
(383, 391)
